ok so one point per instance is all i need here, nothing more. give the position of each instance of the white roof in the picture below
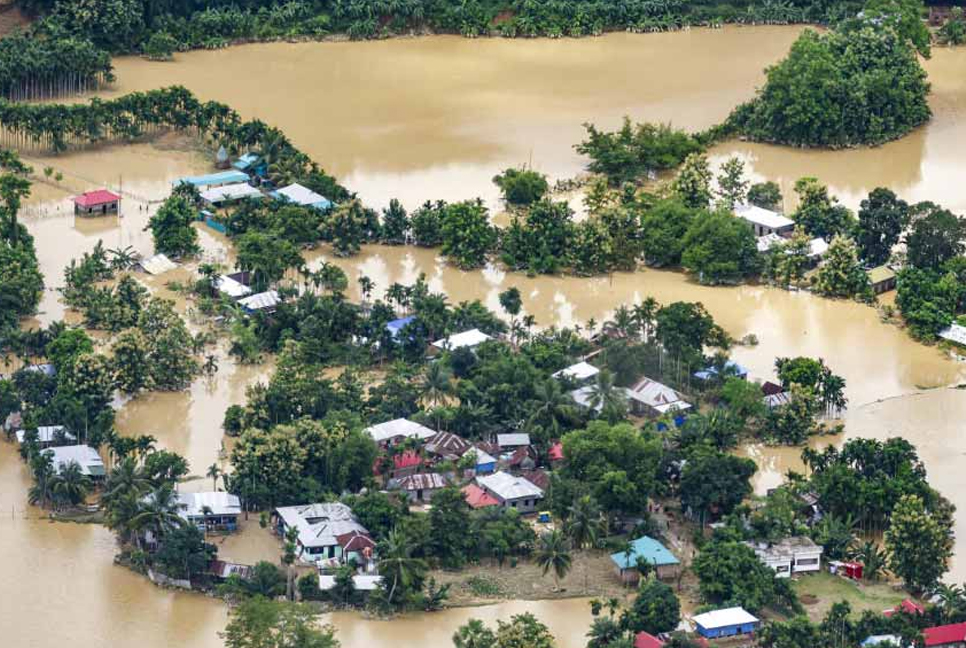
(723, 618)
(193, 504)
(320, 524)
(768, 241)
(90, 462)
(260, 301)
(764, 217)
(158, 264)
(230, 192)
(817, 247)
(362, 582)
(657, 395)
(46, 434)
(954, 333)
(482, 457)
(579, 371)
(471, 338)
(509, 487)
(300, 195)
(399, 428)
(232, 288)
(876, 640)
(513, 439)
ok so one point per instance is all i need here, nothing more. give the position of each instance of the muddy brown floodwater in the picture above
(437, 118)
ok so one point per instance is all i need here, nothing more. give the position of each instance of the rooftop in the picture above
(225, 177)
(320, 525)
(447, 444)
(508, 487)
(304, 196)
(657, 395)
(157, 264)
(945, 634)
(647, 640)
(362, 582)
(46, 434)
(232, 288)
(399, 428)
(579, 371)
(226, 193)
(723, 618)
(469, 339)
(647, 548)
(477, 498)
(880, 274)
(219, 503)
(94, 198)
(764, 217)
(954, 333)
(482, 456)
(260, 301)
(513, 439)
(90, 462)
(422, 481)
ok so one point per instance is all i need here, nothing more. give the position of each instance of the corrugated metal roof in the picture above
(513, 439)
(399, 428)
(319, 525)
(304, 196)
(880, 274)
(223, 178)
(954, 333)
(657, 395)
(260, 301)
(157, 264)
(94, 198)
(226, 193)
(362, 582)
(724, 618)
(764, 217)
(508, 487)
(422, 481)
(232, 288)
(579, 371)
(647, 548)
(220, 503)
(46, 434)
(470, 339)
(90, 462)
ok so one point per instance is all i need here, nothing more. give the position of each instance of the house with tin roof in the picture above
(327, 531)
(420, 487)
(646, 548)
(511, 491)
(725, 623)
(648, 397)
(398, 429)
(86, 457)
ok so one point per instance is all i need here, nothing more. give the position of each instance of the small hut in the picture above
(97, 203)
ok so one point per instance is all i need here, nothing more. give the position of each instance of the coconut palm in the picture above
(583, 522)
(70, 485)
(214, 472)
(553, 554)
(436, 384)
(158, 512)
(397, 564)
(42, 466)
(607, 398)
(552, 407)
(127, 479)
(951, 601)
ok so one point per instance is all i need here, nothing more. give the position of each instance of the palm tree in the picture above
(584, 522)
(70, 485)
(366, 286)
(436, 383)
(158, 512)
(214, 472)
(42, 466)
(125, 480)
(396, 562)
(607, 398)
(951, 600)
(552, 407)
(553, 554)
(623, 325)
(644, 315)
(872, 558)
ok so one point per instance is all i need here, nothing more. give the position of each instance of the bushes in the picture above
(521, 186)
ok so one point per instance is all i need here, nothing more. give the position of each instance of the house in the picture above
(768, 241)
(511, 491)
(360, 582)
(397, 325)
(513, 440)
(157, 264)
(47, 369)
(731, 368)
(851, 570)
(421, 487)
(945, 636)
(650, 398)
(580, 373)
(14, 421)
(265, 302)
(86, 457)
(523, 458)
(231, 287)
(250, 163)
(790, 556)
(889, 641)
(817, 247)
(465, 340)
(215, 510)
(774, 395)
(764, 221)
(725, 623)
(405, 464)
(485, 463)
(556, 453)
(540, 479)
(296, 193)
(49, 435)
(954, 333)
(392, 431)
(882, 278)
(212, 180)
(325, 531)
(650, 550)
(647, 640)
(448, 446)
(478, 498)
(908, 606)
(97, 203)
(230, 193)
(223, 570)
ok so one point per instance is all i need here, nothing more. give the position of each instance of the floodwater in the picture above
(437, 118)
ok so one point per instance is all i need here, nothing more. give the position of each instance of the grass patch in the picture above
(818, 592)
(483, 587)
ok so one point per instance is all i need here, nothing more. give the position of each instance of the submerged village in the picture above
(260, 405)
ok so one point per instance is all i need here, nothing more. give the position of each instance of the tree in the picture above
(655, 609)
(842, 275)
(395, 223)
(69, 344)
(692, 186)
(662, 232)
(540, 241)
(732, 186)
(904, 17)
(919, 543)
(523, 631)
(426, 224)
(214, 472)
(553, 554)
(819, 214)
(159, 512)
(21, 282)
(130, 360)
(261, 623)
(714, 482)
(401, 572)
(719, 248)
(467, 236)
(160, 46)
(184, 553)
(636, 150)
(267, 257)
(170, 363)
(882, 218)
(473, 634)
(729, 572)
(449, 518)
(521, 187)
(606, 398)
(787, 262)
(686, 328)
(766, 195)
(928, 300)
(584, 522)
(70, 485)
(171, 228)
(347, 227)
(936, 235)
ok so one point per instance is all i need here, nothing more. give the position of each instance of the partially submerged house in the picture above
(725, 623)
(764, 221)
(84, 456)
(511, 491)
(213, 180)
(645, 548)
(954, 333)
(97, 203)
(299, 195)
(264, 302)
(225, 194)
(360, 582)
(326, 532)
(214, 510)
(882, 278)
(157, 264)
(49, 435)
(398, 429)
(789, 556)
(731, 368)
(650, 398)
(229, 286)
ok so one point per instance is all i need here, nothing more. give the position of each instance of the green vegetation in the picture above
(521, 186)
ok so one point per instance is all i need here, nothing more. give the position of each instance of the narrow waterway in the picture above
(437, 118)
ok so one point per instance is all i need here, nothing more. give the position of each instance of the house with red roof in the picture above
(908, 606)
(405, 464)
(478, 498)
(945, 636)
(97, 203)
(647, 640)
(555, 454)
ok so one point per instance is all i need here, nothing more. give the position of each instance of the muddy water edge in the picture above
(439, 123)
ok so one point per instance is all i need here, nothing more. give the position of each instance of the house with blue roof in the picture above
(213, 180)
(648, 549)
(731, 368)
(395, 326)
(251, 163)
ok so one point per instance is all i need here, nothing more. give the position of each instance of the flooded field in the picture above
(438, 122)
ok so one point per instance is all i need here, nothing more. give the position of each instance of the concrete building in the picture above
(764, 221)
(97, 203)
(725, 623)
(796, 555)
(326, 532)
(511, 491)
